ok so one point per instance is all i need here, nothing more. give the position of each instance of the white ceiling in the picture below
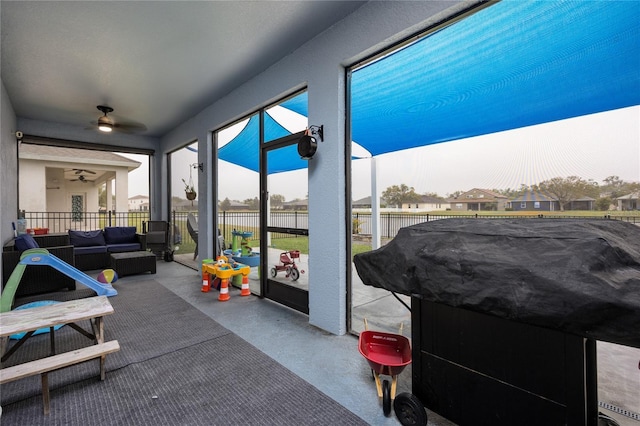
(157, 63)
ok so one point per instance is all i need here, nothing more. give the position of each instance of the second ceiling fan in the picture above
(82, 179)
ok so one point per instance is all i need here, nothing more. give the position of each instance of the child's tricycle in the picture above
(288, 264)
(389, 354)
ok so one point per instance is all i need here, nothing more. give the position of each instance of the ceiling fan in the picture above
(107, 124)
(82, 179)
(80, 171)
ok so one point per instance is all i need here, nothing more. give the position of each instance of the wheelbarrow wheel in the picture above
(274, 272)
(386, 398)
(409, 410)
(295, 274)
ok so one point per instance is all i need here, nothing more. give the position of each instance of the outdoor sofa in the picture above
(41, 282)
(92, 249)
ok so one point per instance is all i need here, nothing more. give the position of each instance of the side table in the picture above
(133, 262)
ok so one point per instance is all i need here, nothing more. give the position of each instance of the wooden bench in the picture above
(45, 365)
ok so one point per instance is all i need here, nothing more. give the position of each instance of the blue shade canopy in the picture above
(243, 149)
(511, 65)
(298, 104)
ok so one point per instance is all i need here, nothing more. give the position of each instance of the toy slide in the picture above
(41, 256)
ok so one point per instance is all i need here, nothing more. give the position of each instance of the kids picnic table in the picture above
(69, 313)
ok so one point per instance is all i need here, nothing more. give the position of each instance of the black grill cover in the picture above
(577, 276)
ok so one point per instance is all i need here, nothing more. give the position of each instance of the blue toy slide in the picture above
(49, 259)
(40, 256)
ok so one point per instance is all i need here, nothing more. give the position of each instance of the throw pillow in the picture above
(86, 238)
(25, 242)
(120, 234)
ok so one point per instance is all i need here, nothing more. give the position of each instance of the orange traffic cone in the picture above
(224, 290)
(206, 281)
(244, 291)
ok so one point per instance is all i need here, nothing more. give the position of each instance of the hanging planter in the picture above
(189, 189)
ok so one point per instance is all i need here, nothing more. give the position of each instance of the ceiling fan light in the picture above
(104, 123)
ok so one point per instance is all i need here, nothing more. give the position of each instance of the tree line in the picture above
(562, 189)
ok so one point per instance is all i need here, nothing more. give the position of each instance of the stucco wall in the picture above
(9, 169)
(33, 178)
(57, 200)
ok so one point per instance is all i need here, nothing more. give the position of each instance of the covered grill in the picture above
(506, 312)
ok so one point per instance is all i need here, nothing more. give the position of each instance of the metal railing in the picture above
(390, 223)
(60, 222)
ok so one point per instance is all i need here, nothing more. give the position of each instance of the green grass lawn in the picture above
(301, 243)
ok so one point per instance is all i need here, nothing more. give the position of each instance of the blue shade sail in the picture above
(243, 150)
(298, 104)
(272, 129)
(285, 159)
(511, 65)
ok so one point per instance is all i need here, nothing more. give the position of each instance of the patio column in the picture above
(109, 201)
(122, 195)
(327, 196)
(375, 207)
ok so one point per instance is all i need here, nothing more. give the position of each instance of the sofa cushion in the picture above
(86, 238)
(120, 248)
(120, 235)
(89, 250)
(25, 242)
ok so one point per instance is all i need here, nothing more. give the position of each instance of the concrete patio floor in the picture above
(618, 366)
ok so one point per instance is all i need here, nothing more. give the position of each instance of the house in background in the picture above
(533, 201)
(478, 200)
(55, 179)
(139, 203)
(537, 201)
(629, 202)
(362, 203)
(583, 203)
(427, 203)
(296, 205)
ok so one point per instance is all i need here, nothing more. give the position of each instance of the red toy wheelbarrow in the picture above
(388, 354)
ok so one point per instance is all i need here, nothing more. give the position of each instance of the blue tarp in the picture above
(511, 65)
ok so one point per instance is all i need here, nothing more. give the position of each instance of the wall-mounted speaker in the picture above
(307, 147)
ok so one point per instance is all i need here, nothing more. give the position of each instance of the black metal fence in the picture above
(60, 222)
(390, 223)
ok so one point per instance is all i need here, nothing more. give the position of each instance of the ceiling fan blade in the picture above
(122, 127)
(129, 127)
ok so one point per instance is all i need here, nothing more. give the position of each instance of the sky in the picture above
(592, 147)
